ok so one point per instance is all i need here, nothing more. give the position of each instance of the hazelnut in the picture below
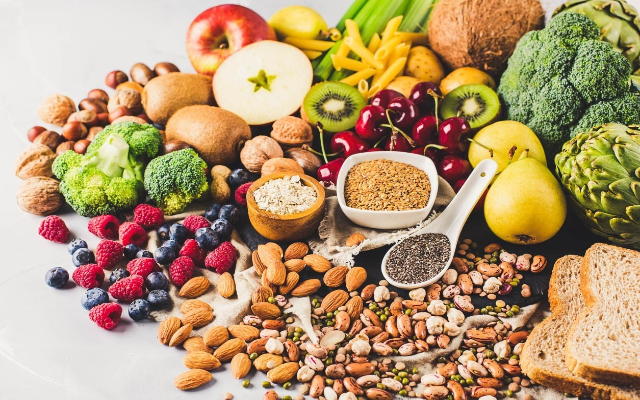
(281, 165)
(55, 109)
(81, 146)
(144, 117)
(97, 106)
(257, 151)
(99, 94)
(40, 196)
(34, 132)
(118, 112)
(93, 132)
(74, 130)
(306, 159)
(164, 68)
(131, 118)
(49, 138)
(114, 78)
(89, 118)
(130, 85)
(141, 74)
(174, 145)
(65, 146)
(126, 97)
(104, 119)
(292, 132)
(35, 161)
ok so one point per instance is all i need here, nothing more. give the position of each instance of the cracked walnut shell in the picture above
(56, 109)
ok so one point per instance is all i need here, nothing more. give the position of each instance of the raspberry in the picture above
(128, 289)
(106, 315)
(130, 232)
(181, 270)
(241, 193)
(221, 259)
(109, 253)
(104, 226)
(88, 276)
(53, 228)
(142, 266)
(192, 249)
(148, 217)
(195, 222)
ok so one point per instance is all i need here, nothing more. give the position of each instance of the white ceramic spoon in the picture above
(452, 219)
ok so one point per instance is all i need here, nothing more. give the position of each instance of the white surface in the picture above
(48, 346)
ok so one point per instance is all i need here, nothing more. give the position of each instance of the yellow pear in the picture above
(525, 204)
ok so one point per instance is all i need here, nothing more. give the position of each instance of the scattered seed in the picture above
(418, 258)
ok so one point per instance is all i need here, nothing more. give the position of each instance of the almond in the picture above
(334, 300)
(268, 254)
(215, 336)
(265, 310)
(317, 263)
(276, 272)
(295, 265)
(335, 276)
(194, 287)
(257, 263)
(167, 328)
(229, 349)
(244, 332)
(201, 360)
(355, 239)
(355, 278)
(354, 307)
(276, 324)
(276, 248)
(296, 250)
(189, 305)
(261, 294)
(198, 317)
(257, 346)
(192, 379)
(196, 343)
(240, 365)
(226, 285)
(289, 283)
(306, 288)
(180, 335)
(263, 360)
(283, 373)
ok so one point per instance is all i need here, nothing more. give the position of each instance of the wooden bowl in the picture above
(291, 227)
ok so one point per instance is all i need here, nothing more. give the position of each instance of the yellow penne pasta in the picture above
(347, 63)
(309, 44)
(373, 90)
(417, 38)
(374, 43)
(343, 50)
(358, 76)
(312, 54)
(363, 53)
(390, 73)
(387, 49)
(352, 30)
(401, 50)
(363, 88)
(391, 29)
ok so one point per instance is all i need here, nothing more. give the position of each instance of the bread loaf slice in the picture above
(604, 342)
(542, 357)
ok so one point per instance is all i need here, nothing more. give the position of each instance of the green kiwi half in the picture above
(478, 104)
(336, 105)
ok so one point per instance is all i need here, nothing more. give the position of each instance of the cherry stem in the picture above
(324, 152)
(395, 129)
(311, 150)
(489, 149)
(380, 141)
(436, 100)
(432, 146)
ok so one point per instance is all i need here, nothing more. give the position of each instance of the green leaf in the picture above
(262, 81)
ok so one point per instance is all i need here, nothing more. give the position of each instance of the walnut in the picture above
(257, 151)
(56, 109)
(292, 132)
(35, 161)
(281, 165)
(126, 97)
(40, 196)
(306, 159)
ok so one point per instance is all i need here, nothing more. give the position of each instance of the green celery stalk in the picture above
(356, 6)
(426, 20)
(416, 13)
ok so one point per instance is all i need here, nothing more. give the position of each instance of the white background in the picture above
(48, 346)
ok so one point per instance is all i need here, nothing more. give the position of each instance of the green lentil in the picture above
(266, 384)
(271, 300)
(246, 383)
(286, 385)
(403, 392)
(253, 356)
(380, 386)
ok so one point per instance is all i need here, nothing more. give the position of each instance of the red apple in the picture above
(222, 30)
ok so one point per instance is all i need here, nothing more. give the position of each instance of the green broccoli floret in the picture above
(563, 78)
(176, 179)
(108, 177)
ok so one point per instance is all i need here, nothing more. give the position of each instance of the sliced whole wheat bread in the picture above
(542, 357)
(603, 344)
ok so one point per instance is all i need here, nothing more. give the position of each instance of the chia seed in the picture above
(418, 258)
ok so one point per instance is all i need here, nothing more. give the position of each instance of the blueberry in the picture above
(237, 178)
(93, 297)
(164, 255)
(175, 246)
(178, 233)
(144, 253)
(139, 310)
(159, 127)
(83, 256)
(222, 227)
(163, 231)
(212, 212)
(230, 213)
(159, 299)
(207, 238)
(157, 280)
(131, 251)
(76, 244)
(56, 277)
(118, 274)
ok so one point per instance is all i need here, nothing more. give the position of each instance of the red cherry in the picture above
(453, 135)
(384, 97)
(328, 173)
(368, 125)
(431, 152)
(348, 143)
(403, 113)
(453, 168)
(373, 149)
(425, 131)
(397, 143)
(422, 95)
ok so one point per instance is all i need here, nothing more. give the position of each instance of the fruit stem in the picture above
(436, 99)
(395, 129)
(321, 130)
(525, 154)
(380, 141)
(512, 152)
(489, 149)
(311, 150)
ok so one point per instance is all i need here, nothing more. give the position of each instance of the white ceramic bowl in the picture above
(388, 219)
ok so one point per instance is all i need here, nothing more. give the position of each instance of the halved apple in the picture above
(263, 81)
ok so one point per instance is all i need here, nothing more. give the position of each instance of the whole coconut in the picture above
(481, 33)
(216, 134)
